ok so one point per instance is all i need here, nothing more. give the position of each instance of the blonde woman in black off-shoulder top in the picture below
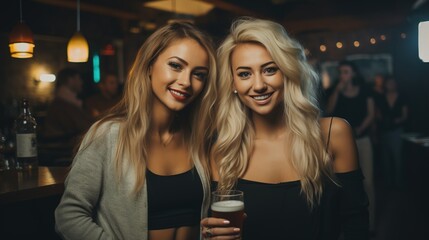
(299, 172)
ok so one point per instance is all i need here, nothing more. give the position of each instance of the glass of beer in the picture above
(229, 205)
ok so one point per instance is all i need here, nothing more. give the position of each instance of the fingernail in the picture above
(226, 222)
(236, 229)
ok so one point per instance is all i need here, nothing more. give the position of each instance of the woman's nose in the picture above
(259, 84)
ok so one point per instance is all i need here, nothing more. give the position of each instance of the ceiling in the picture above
(116, 18)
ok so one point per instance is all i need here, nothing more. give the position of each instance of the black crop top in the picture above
(280, 211)
(174, 200)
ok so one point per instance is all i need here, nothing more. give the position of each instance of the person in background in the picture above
(106, 98)
(378, 88)
(392, 112)
(66, 120)
(378, 96)
(139, 172)
(352, 101)
(299, 172)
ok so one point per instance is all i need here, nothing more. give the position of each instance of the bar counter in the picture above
(16, 186)
(28, 200)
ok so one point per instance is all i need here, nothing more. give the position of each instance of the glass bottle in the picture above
(26, 139)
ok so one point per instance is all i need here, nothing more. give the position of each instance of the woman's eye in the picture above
(200, 75)
(175, 66)
(244, 74)
(270, 70)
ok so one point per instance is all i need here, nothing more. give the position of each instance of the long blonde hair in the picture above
(134, 110)
(234, 127)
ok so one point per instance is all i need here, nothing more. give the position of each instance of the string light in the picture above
(356, 43)
(354, 40)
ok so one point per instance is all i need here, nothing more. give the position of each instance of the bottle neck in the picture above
(25, 110)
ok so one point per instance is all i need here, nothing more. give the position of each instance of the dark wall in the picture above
(51, 36)
(413, 79)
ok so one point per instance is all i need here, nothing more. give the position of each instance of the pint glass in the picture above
(229, 205)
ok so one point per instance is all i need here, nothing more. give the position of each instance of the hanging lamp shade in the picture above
(188, 7)
(21, 43)
(77, 48)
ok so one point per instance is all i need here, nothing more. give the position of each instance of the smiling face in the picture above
(179, 73)
(257, 79)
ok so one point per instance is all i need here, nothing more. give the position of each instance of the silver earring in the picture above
(235, 91)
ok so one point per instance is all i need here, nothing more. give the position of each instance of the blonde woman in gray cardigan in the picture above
(139, 172)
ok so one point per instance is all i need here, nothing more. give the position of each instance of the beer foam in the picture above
(228, 206)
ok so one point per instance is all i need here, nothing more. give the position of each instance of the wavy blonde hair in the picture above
(234, 127)
(134, 110)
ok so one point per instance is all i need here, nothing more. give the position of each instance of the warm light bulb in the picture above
(77, 48)
(339, 44)
(21, 50)
(372, 41)
(21, 43)
(47, 77)
(187, 7)
(323, 48)
(356, 43)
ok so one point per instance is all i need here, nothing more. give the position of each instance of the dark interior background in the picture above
(125, 24)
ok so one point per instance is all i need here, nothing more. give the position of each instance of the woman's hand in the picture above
(218, 228)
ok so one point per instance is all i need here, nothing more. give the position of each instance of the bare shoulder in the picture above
(339, 137)
(335, 126)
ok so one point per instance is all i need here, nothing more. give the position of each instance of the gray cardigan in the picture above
(95, 205)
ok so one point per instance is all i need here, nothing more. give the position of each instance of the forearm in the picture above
(74, 216)
(74, 222)
(365, 124)
(368, 120)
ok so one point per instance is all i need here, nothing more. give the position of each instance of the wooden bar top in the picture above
(18, 186)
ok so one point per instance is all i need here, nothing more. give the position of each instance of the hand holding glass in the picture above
(229, 205)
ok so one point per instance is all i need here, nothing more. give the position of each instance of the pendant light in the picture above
(21, 41)
(77, 48)
(186, 7)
